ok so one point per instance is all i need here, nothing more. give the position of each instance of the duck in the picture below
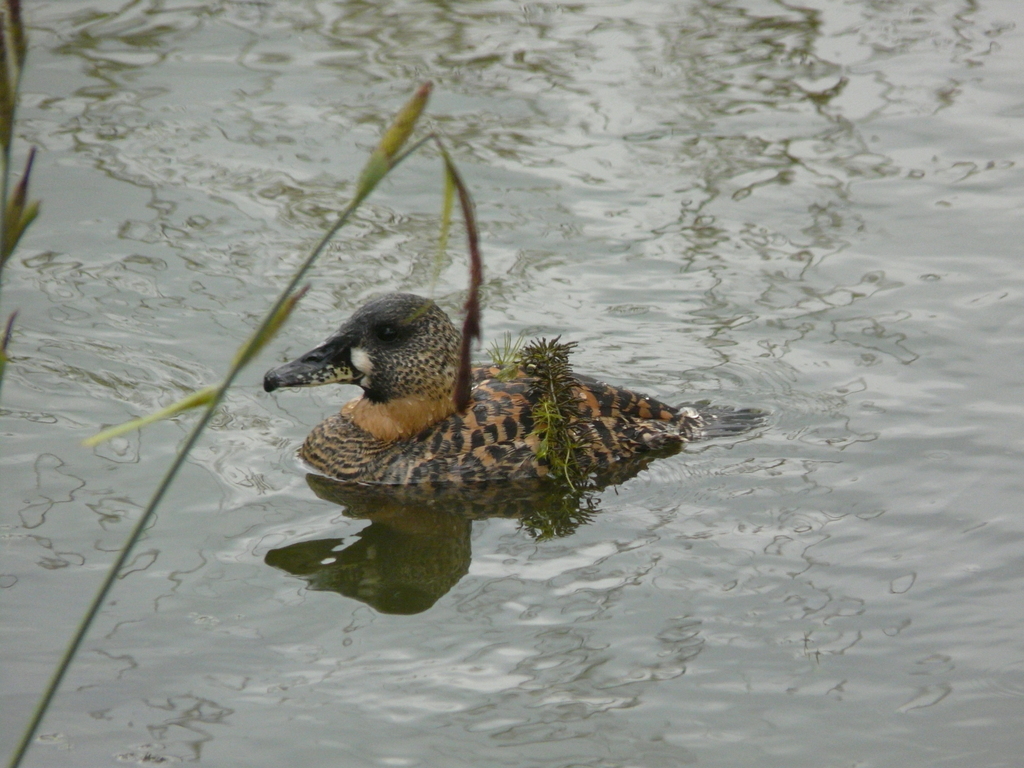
(402, 350)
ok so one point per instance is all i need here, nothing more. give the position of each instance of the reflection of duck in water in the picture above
(403, 351)
(417, 546)
(403, 562)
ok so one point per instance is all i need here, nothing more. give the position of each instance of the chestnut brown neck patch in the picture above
(400, 418)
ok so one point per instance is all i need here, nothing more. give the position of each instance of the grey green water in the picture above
(813, 207)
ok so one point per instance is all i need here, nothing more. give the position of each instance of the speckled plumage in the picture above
(402, 350)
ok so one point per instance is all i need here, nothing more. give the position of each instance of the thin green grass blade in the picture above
(446, 226)
(5, 339)
(194, 400)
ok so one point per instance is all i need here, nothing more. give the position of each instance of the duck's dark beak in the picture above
(330, 363)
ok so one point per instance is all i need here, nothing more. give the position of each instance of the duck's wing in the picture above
(696, 421)
(624, 423)
(606, 401)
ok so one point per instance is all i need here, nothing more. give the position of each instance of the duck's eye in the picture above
(385, 332)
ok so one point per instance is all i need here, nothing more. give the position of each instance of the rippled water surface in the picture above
(815, 208)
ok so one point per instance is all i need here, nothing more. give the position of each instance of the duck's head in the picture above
(396, 347)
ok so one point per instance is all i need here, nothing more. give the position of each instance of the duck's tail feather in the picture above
(726, 421)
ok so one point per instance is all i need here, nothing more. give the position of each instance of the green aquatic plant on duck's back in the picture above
(558, 422)
(506, 355)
